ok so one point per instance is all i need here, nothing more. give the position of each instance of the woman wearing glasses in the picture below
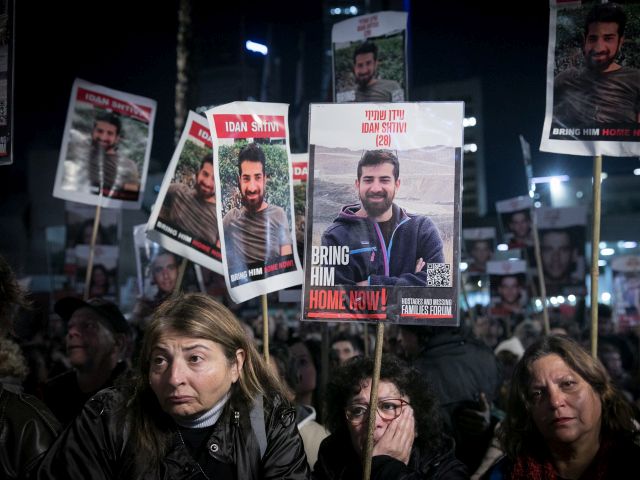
(408, 438)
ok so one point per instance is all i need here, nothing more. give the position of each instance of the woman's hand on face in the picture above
(397, 440)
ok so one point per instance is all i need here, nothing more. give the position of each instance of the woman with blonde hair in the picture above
(203, 405)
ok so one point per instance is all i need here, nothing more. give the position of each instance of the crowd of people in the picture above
(186, 394)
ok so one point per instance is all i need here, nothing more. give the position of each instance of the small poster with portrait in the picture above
(479, 246)
(157, 275)
(626, 292)
(300, 162)
(383, 213)
(562, 234)
(105, 148)
(184, 219)
(593, 79)
(80, 219)
(370, 58)
(516, 224)
(508, 288)
(255, 203)
(104, 272)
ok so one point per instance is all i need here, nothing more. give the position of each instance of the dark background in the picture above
(131, 46)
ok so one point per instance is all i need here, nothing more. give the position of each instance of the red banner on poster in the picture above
(249, 126)
(138, 112)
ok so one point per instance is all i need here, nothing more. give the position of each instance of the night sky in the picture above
(130, 46)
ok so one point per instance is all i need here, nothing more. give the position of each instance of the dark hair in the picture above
(518, 432)
(378, 157)
(279, 352)
(525, 211)
(105, 272)
(199, 316)
(346, 381)
(162, 252)
(366, 47)
(11, 295)
(473, 243)
(564, 231)
(207, 158)
(102, 236)
(606, 12)
(109, 117)
(356, 341)
(520, 278)
(604, 310)
(251, 153)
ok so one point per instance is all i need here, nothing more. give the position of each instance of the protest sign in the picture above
(184, 218)
(593, 79)
(383, 213)
(255, 199)
(370, 58)
(105, 148)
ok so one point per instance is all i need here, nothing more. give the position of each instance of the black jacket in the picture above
(63, 396)
(458, 369)
(27, 429)
(337, 460)
(95, 447)
(413, 237)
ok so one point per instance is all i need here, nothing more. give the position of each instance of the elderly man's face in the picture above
(89, 342)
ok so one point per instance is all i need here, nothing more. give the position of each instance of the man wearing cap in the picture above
(96, 343)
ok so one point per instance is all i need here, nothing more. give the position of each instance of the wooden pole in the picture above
(92, 247)
(265, 328)
(325, 351)
(365, 333)
(595, 253)
(541, 285)
(472, 314)
(373, 401)
(181, 271)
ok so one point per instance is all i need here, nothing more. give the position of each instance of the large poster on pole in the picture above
(593, 79)
(105, 148)
(370, 58)
(255, 204)
(184, 219)
(383, 213)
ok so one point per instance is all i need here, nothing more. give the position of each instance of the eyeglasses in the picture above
(388, 409)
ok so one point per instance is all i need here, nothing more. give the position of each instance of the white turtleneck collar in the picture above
(208, 418)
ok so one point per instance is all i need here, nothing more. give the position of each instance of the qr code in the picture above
(438, 274)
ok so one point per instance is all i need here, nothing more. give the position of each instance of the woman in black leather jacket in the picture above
(408, 438)
(204, 405)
